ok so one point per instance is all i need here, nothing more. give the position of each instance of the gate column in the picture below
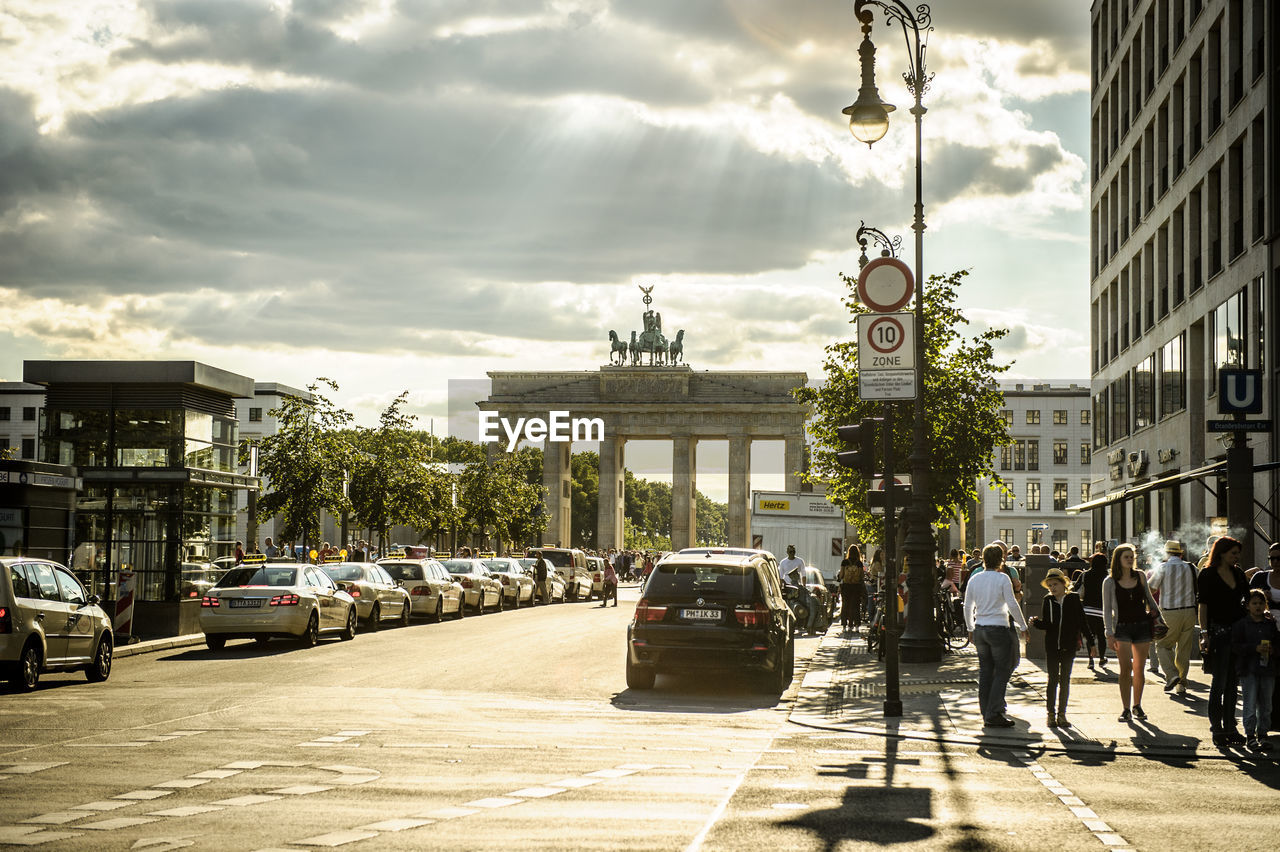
(739, 491)
(555, 478)
(793, 459)
(611, 504)
(684, 508)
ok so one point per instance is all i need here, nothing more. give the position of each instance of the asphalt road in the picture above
(516, 731)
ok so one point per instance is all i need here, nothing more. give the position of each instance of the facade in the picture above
(1183, 252)
(21, 406)
(1047, 469)
(257, 422)
(155, 443)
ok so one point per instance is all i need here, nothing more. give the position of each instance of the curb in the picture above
(151, 646)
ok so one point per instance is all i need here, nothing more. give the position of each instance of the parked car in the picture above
(571, 564)
(558, 592)
(723, 612)
(478, 588)
(595, 564)
(433, 591)
(258, 600)
(49, 623)
(517, 582)
(378, 597)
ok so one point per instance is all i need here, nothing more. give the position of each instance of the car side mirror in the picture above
(93, 600)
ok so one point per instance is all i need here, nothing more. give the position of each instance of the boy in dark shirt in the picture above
(1254, 638)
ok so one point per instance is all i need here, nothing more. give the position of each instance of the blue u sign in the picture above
(1239, 391)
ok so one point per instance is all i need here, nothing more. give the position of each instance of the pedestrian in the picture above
(540, 577)
(239, 552)
(271, 551)
(1175, 580)
(1074, 566)
(988, 605)
(1269, 582)
(610, 585)
(1220, 590)
(792, 570)
(1061, 618)
(1127, 611)
(1091, 596)
(853, 589)
(1253, 638)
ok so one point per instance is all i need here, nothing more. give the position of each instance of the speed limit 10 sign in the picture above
(886, 341)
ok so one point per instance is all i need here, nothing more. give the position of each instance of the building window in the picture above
(28, 448)
(1006, 457)
(1086, 453)
(1006, 534)
(1059, 452)
(1100, 436)
(1144, 393)
(1033, 537)
(1059, 417)
(1119, 391)
(1033, 496)
(1033, 455)
(1060, 541)
(1085, 547)
(255, 415)
(1006, 414)
(4, 448)
(1173, 377)
(28, 412)
(1033, 417)
(1059, 496)
(1085, 491)
(1084, 417)
(1006, 500)
(1019, 455)
(1229, 336)
(4, 412)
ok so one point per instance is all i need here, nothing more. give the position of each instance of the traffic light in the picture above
(860, 447)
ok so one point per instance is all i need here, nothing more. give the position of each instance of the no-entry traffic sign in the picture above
(885, 285)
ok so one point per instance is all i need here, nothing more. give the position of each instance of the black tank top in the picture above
(1131, 604)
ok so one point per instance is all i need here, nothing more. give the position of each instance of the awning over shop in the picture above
(1145, 487)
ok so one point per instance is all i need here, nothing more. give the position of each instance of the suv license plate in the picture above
(237, 603)
(700, 614)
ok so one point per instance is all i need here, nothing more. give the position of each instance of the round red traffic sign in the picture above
(885, 335)
(885, 285)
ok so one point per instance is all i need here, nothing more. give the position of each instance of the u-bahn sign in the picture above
(1239, 391)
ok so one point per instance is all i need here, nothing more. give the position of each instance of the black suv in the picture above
(712, 611)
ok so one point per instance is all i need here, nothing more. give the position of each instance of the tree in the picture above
(712, 520)
(584, 474)
(303, 462)
(497, 500)
(962, 410)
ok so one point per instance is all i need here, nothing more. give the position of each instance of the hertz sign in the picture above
(775, 505)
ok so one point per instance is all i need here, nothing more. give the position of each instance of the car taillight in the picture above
(596, 578)
(752, 616)
(6, 620)
(208, 602)
(647, 613)
(285, 600)
(506, 581)
(419, 591)
(466, 584)
(353, 591)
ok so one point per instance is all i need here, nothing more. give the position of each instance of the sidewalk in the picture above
(150, 646)
(844, 690)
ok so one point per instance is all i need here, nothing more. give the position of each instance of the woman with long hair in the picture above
(853, 589)
(1127, 608)
(1220, 588)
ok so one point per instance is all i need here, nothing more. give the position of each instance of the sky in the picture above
(399, 194)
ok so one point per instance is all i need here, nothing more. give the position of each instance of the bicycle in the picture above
(875, 628)
(950, 620)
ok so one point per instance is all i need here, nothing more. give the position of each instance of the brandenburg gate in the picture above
(663, 401)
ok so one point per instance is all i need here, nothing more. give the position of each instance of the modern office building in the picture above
(21, 406)
(1046, 469)
(1184, 256)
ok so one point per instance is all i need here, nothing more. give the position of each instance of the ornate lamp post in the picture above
(869, 121)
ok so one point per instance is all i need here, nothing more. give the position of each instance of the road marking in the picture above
(56, 818)
(28, 768)
(1090, 820)
(338, 740)
(144, 795)
(536, 792)
(394, 824)
(116, 822)
(336, 838)
(245, 801)
(32, 835)
(100, 806)
(185, 810)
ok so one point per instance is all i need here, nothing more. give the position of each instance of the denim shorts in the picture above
(1134, 631)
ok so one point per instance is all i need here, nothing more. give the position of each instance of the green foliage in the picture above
(634, 539)
(303, 462)
(584, 473)
(712, 521)
(497, 500)
(962, 409)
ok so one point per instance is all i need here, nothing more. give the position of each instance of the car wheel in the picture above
(261, 640)
(311, 637)
(502, 601)
(26, 674)
(439, 616)
(777, 681)
(639, 677)
(375, 618)
(215, 643)
(462, 608)
(573, 594)
(404, 614)
(349, 632)
(515, 601)
(100, 669)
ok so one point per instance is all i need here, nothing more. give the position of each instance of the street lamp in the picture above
(869, 121)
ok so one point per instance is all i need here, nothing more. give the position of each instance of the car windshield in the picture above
(734, 581)
(457, 566)
(527, 562)
(344, 572)
(259, 575)
(558, 558)
(503, 565)
(403, 571)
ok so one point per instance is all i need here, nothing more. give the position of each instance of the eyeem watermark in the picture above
(558, 427)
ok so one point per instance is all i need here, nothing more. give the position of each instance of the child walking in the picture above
(1254, 638)
(1062, 619)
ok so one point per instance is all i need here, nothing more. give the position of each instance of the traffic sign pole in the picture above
(889, 601)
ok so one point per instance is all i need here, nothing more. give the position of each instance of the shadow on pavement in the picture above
(239, 651)
(709, 692)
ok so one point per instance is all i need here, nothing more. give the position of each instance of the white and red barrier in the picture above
(122, 624)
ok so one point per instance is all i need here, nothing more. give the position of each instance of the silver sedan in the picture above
(517, 583)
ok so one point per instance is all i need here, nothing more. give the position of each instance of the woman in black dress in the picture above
(1220, 589)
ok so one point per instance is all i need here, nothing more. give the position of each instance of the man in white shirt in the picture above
(1176, 581)
(792, 575)
(988, 605)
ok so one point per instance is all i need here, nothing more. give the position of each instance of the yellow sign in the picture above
(254, 559)
(396, 554)
(488, 555)
(445, 555)
(334, 558)
(775, 505)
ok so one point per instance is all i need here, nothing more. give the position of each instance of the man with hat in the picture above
(1176, 581)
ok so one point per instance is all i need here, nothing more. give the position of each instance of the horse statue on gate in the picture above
(617, 349)
(634, 350)
(675, 349)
